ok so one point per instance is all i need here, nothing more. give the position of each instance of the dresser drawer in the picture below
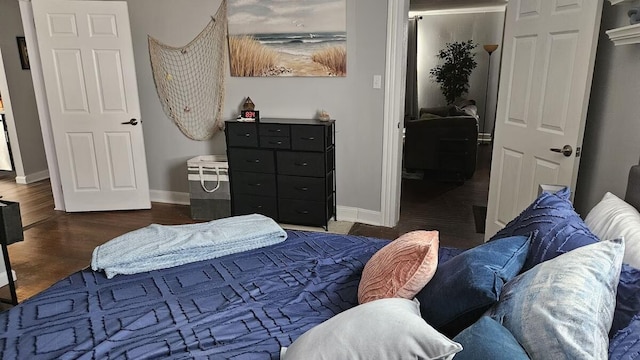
(252, 160)
(275, 142)
(308, 138)
(253, 183)
(242, 134)
(251, 204)
(302, 212)
(301, 188)
(274, 130)
(301, 163)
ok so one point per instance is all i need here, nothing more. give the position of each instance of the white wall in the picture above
(352, 101)
(30, 160)
(435, 30)
(612, 135)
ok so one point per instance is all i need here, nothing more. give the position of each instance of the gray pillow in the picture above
(385, 329)
(563, 308)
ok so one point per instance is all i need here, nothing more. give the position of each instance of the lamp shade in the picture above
(490, 48)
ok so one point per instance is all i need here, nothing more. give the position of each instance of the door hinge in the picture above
(578, 151)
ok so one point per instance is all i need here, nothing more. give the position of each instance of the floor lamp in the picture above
(489, 48)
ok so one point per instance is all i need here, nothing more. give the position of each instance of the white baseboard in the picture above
(344, 213)
(364, 216)
(31, 178)
(170, 197)
(4, 281)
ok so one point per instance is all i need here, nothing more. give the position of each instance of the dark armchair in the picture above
(444, 147)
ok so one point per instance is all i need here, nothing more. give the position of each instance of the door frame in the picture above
(393, 117)
(28, 23)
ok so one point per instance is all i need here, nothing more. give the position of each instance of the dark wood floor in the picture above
(57, 244)
(443, 206)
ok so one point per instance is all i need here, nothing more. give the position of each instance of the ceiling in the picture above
(427, 5)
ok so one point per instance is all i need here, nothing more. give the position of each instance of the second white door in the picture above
(89, 75)
(547, 68)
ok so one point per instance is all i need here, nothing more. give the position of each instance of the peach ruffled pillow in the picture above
(401, 268)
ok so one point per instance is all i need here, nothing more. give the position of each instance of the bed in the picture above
(255, 304)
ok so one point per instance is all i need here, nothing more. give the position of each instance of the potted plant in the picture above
(453, 74)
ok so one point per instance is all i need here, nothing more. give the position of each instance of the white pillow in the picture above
(612, 218)
(389, 329)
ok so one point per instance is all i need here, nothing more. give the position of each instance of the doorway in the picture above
(457, 209)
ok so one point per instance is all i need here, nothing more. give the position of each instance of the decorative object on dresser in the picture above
(249, 112)
(323, 115)
(284, 169)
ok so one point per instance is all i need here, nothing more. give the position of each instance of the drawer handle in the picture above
(302, 188)
(311, 138)
(301, 164)
(256, 161)
(255, 184)
(245, 135)
(275, 131)
(275, 142)
(259, 207)
(303, 212)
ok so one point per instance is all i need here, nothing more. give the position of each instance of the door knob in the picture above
(133, 122)
(566, 150)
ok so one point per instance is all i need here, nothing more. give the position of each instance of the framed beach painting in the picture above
(287, 37)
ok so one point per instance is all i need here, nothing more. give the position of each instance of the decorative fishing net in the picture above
(190, 79)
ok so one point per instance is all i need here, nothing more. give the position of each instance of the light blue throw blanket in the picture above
(160, 246)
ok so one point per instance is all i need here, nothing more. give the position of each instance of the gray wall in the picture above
(23, 100)
(356, 106)
(612, 133)
(435, 31)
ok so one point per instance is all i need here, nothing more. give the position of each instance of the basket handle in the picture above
(204, 187)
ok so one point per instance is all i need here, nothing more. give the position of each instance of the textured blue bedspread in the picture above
(241, 306)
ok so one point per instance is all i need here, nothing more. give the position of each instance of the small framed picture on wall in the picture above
(22, 50)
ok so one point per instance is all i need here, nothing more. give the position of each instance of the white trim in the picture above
(31, 178)
(170, 197)
(364, 216)
(395, 77)
(29, 27)
(614, 2)
(4, 280)
(625, 35)
(472, 10)
(345, 213)
(8, 117)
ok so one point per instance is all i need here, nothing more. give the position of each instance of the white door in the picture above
(545, 80)
(89, 76)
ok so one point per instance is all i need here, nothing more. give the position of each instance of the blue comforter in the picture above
(242, 306)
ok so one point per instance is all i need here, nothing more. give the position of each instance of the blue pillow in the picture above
(626, 343)
(627, 298)
(487, 339)
(557, 228)
(463, 288)
(563, 308)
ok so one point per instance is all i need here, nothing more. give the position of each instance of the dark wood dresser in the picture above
(284, 169)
